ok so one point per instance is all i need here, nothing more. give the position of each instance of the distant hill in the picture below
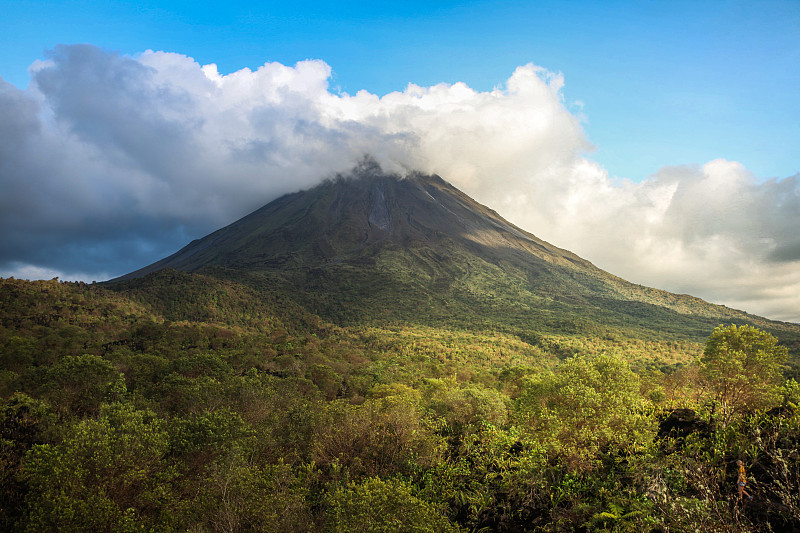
(376, 248)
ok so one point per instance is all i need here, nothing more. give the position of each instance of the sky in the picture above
(659, 140)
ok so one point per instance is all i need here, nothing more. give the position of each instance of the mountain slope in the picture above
(372, 247)
(352, 218)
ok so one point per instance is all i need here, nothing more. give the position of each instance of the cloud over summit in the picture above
(108, 162)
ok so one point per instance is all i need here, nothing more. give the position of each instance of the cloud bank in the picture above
(109, 162)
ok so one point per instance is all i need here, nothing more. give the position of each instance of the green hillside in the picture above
(188, 402)
(374, 249)
(379, 354)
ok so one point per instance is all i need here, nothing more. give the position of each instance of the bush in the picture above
(380, 437)
(103, 469)
(375, 505)
(586, 405)
(742, 367)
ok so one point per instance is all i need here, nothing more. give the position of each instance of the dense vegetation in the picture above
(185, 402)
(369, 249)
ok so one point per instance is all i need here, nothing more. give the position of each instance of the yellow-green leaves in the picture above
(388, 506)
(741, 368)
(103, 467)
(586, 404)
(382, 437)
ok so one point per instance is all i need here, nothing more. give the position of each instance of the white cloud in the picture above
(108, 162)
(712, 231)
(24, 271)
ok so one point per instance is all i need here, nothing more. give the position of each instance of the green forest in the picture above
(192, 403)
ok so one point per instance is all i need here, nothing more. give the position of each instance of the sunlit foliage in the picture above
(742, 368)
(122, 412)
(585, 405)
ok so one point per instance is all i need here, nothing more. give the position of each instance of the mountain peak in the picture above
(352, 217)
(371, 245)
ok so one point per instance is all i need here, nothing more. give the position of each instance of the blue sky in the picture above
(661, 83)
(660, 140)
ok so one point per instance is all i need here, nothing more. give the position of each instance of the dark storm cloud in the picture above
(103, 166)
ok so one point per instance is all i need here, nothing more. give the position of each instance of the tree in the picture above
(376, 506)
(741, 366)
(238, 495)
(24, 422)
(106, 472)
(81, 383)
(380, 437)
(587, 404)
(465, 405)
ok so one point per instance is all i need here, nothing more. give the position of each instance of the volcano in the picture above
(371, 246)
(354, 219)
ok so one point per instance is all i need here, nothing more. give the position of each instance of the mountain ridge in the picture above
(370, 246)
(378, 225)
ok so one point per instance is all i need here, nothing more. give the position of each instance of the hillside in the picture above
(374, 249)
(382, 354)
(189, 402)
